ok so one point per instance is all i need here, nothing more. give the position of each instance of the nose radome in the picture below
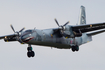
(26, 38)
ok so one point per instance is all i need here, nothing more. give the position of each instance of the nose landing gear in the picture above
(30, 53)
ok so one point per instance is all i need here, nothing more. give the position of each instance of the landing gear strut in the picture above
(75, 48)
(30, 53)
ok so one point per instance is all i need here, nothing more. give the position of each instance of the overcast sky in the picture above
(41, 14)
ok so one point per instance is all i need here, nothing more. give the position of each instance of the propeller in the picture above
(22, 29)
(12, 28)
(18, 32)
(56, 21)
(62, 27)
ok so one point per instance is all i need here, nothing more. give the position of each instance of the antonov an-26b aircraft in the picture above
(64, 37)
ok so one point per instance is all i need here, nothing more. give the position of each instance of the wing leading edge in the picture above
(11, 35)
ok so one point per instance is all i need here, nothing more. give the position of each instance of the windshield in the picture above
(28, 30)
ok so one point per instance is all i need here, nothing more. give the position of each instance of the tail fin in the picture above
(82, 17)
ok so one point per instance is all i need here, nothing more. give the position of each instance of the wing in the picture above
(8, 36)
(79, 29)
(95, 33)
(88, 27)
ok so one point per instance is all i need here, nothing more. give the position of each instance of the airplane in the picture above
(64, 37)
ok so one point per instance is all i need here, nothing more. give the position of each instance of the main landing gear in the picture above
(75, 48)
(30, 53)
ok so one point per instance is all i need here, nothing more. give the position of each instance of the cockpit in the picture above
(27, 35)
(29, 31)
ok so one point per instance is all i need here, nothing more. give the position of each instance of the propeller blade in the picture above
(56, 22)
(12, 28)
(22, 29)
(66, 23)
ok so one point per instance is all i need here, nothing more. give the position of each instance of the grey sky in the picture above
(41, 14)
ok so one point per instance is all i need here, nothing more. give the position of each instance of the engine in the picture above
(70, 33)
(9, 39)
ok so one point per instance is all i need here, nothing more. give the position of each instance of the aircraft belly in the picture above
(51, 44)
(60, 43)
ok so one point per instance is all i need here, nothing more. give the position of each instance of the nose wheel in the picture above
(30, 53)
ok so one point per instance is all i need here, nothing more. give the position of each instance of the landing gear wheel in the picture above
(32, 53)
(29, 48)
(76, 48)
(29, 54)
(73, 48)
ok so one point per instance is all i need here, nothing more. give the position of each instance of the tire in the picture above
(76, 48)
(29, 54)
(29, 48)
(32, 53)
(73, 48)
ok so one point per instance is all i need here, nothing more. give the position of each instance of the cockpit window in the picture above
(28, 31)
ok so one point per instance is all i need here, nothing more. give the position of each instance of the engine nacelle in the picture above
(9, 39)
(70, 33)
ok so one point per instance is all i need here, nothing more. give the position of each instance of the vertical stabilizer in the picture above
(82, 17)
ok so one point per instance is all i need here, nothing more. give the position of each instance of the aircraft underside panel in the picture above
(60, 43)
(51, 44)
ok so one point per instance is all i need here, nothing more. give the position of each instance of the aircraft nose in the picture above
(26, 38)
